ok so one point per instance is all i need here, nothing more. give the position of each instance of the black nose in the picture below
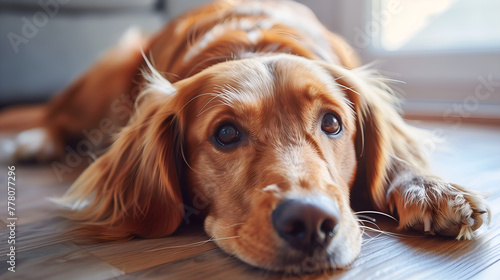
(305, 224)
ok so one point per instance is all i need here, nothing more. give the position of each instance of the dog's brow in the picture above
(249, 81)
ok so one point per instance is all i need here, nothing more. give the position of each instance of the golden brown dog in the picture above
(255, 116)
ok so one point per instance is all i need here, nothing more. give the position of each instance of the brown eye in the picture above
(330, 124)
(227, 134)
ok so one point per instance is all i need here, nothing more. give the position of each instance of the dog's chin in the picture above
(304, 263)
(295, 262)
(309, 265)
(276, 256)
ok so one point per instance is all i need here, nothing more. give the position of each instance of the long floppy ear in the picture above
(133, 189)
(385, 144)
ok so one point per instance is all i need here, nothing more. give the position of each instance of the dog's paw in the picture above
(436, 207)
(30, 145)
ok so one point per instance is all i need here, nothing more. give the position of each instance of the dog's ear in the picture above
(385, 144)
(133, 189)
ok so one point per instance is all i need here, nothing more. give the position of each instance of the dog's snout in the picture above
(306, 225)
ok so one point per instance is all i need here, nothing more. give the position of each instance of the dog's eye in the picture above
(227, 134)
(330, 124)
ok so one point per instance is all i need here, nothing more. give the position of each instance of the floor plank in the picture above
(139, 254)
(37, 234)
(34, 186)
(58, 261)
(213, 264)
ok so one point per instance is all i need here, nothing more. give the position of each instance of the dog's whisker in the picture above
(211, 107)
(367, 218)
(206, 104)
(224, 238)
(223, 93)
(194, 98)
(370, 238)
(194, 244)
(204, 108)
(375, 212)
(362, 228)
(362, 219)
(348, 88)
(366, 237)
(369, 222)
(393, 234)
(384, 232)
(338, 78)
(362, 222)
(184, 158)
(385, 79)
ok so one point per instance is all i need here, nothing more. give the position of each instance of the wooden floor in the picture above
(471, 157)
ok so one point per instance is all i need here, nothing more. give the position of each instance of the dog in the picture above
(254, 116)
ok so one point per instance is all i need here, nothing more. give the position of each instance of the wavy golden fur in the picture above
(277, 85)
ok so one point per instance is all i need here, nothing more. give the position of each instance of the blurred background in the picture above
(446, 51)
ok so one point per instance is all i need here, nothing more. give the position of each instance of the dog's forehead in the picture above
(265, 79)
(301, 71)
(246, 81)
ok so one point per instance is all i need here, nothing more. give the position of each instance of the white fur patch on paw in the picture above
(35, 144)
(436, 207)
(7, 150)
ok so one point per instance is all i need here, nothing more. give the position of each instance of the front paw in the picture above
(437, 207)
(36, 144)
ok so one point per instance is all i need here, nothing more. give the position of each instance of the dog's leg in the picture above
(431, 205)
(102, 98)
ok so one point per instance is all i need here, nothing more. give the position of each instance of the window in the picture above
(446, 51)
(438, 25)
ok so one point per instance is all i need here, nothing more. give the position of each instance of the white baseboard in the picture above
(451, 110)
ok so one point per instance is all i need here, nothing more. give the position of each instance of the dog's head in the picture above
(266, 149)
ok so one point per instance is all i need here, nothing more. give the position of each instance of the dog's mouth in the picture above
(299, 236)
